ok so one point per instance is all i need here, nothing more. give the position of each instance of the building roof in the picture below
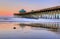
(42, 10)
(22, 11)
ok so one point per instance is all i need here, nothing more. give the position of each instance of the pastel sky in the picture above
(8, 7)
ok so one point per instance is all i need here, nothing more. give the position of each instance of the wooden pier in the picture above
(47, 13)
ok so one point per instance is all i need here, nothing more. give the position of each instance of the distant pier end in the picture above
(47, 13)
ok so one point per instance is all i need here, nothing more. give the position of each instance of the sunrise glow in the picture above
(9, 7)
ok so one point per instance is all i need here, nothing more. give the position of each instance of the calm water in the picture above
(7, 31)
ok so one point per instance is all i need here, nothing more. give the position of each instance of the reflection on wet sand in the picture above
(50, 26)
(45, 25)
(23, 31)
(54, 27)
